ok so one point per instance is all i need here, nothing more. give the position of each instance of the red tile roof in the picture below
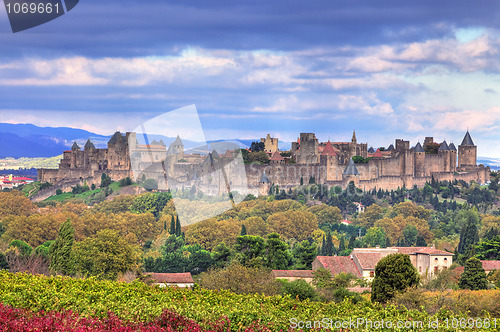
(337, 264)
(173, 278)
(378, 154)
(328, 150)
(292, 274)
(276, 157)
(491, 265)
(368, 260)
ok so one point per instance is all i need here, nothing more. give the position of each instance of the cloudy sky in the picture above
(389, 69)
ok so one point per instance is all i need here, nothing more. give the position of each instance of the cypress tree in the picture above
(474, 276)
(301, 181)
(341, 244)
(243, 230)
(172, 226)
(351, 241)
(329, 245)
(178, 231)
(60, 250)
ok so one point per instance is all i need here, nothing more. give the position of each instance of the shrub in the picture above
(474, 276)
(298, 289)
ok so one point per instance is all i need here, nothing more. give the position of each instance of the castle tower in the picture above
(330, 160)
(270, 143)
(467, 152)
(264, 185)
(353, 139)
(444, 152)
(453, 157)
(88, 153)
(351, 173)
(307, 149)
(353, 145)
(419, 160)
(176, 149)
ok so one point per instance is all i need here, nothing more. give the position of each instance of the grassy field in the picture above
(70, 196)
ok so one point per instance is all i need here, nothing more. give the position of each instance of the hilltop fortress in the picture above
(329, 163)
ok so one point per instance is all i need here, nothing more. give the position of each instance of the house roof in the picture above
(378, 154)
(418, 148)
(337, 264)
(328, 150)
(368, 260)
(422, 250)
(467, 139)
(491, 265)
(351, 169)
(444, 146)
(276, 157)
(292, 274)
(173, 278)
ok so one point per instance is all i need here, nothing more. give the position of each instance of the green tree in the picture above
(410, 234)
(4, 265)
(172, 225)
(105, 180)
(277, 256)
(243, 230)
(60, 252)
(221, 255)
(178, 229)
(489, 249)
(150, 184)
(469, 236)
(474, 276)
(249, 249)
(304, 253)
(24, 248)
(393, 273)
(105, 255)
(375, 236)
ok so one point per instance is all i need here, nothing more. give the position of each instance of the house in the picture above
(346, 222)
(173, 279)
(488, 266)
(362, 261)
(360, 208)
(292, 275)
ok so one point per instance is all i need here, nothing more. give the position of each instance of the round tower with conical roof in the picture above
(419, 159)
(444, 152)
(467, 152)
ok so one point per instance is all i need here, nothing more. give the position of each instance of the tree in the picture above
(243, 230)
(293, 224)
(469, 236)
(150, 184)
(410, 234)
(178, 229)
(105, 255)
(61, 249)
(221, 254)
(326, 214)
(172, 225)
(297, 289)
(328, 247)
(250, 248)
(375, 236)
(277, 255)
(105, 180)
(393, 273)
(3, 262)
(304, 253)
(489, 249)
(474, 276)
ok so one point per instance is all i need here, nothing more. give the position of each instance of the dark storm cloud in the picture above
(131, 28)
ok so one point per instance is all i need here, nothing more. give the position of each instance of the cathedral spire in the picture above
(353, 136)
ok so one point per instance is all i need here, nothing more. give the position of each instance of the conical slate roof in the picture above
(89, 145)
(419, 148)
(452, 147)
(390, 148)
(371, 150)
(444, 147)
(264, 178)
(351, 168)
(328, 150)
(178, 141)
(117, 138)
(75, 146)
(467, 139)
